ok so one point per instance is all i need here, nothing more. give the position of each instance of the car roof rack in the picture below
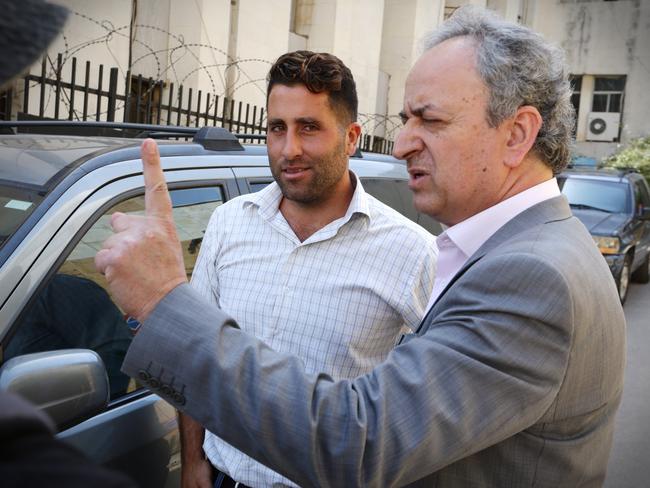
(211, 138)
(625, 169)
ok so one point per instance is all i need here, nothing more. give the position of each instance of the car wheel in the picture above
(642, 275)
(623, 281)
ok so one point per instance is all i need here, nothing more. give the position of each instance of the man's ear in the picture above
(524, 127)
(352, 134)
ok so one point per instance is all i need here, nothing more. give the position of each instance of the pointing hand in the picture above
(143, 260)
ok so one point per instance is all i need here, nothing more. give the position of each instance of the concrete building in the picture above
(608, 51)
(225, 48)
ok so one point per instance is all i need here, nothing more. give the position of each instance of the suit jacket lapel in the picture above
(544, 212)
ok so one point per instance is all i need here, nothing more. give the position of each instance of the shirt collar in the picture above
(470, 234)
(268, 199)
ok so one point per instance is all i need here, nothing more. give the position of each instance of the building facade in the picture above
(224, 48)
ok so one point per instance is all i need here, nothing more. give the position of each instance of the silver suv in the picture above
(62, 339)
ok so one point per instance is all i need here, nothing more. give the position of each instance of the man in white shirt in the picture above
(312, 264)
(515, 374)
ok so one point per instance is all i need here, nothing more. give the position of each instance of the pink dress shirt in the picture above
(459, 242)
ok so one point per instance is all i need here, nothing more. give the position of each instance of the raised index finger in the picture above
(156, 197)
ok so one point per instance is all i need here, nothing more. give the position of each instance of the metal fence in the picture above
(86, 96)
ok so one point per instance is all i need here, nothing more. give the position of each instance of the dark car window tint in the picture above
(609, 196)
(396, 194)
(16, 204)
(75, 310)
(642, 199)
(387, 191)
(256, 186)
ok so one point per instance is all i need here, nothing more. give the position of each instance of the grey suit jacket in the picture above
(512, 380)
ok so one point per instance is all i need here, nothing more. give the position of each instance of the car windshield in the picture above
(586, 193)
(30, 167)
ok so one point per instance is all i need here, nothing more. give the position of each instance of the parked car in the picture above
(62, 339)
(614, 205)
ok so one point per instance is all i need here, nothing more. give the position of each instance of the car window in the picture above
(387, 191)
(608, 196)
(75, 310)
(641, 197)
(257, 185)
(16, 204)
(396, 194)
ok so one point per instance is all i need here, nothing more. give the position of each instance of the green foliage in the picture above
(636, 155)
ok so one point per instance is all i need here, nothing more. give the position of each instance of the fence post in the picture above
(198, 108)
(138, 101)
(206, 115)
(8, 96)
(26, 97)
(180, 105)
(100, 78)
(41, 108)
(86, 87)
(214, 112)
(112, 95)
(57, 101)
(261, 127)
(73, 80)
(160, 101)
(223, 112)
(127, 97)
(189, 107)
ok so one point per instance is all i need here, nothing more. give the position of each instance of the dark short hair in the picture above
(319, 72)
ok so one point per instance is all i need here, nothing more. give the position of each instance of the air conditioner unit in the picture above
(603, 126)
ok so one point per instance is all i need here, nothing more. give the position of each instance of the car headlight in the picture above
(608, 245)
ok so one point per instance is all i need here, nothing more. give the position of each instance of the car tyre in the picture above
(623, 281)
(642, 274)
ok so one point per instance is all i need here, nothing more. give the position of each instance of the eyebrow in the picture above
(307, 120)
(300, 120)
(419, 110)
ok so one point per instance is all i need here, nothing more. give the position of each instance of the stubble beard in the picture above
(326, 173)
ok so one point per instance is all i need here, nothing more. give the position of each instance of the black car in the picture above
(614, 205)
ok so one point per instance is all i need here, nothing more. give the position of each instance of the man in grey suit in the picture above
(514, 375)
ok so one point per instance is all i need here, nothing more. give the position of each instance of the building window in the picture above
(608, 94)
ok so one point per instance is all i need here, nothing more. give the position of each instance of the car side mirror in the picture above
(70, 385)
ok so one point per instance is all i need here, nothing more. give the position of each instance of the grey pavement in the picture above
(629, 464)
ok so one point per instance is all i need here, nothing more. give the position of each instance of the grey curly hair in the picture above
(519, 68)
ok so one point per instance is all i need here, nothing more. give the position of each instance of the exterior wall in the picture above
(351, 30)
(405, 22)
(604, 38)
(318, 24)
(509, 9)
(196, 42)
(262, 36)
(225, 47)
(357, 41)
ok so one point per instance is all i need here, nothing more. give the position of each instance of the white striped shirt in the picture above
(338, 300)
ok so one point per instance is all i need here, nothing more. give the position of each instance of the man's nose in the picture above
(407, 143)
(292, 147)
